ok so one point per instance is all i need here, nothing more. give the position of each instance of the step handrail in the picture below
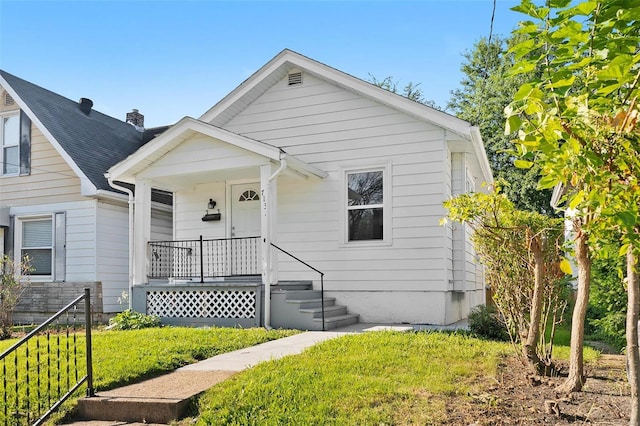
(310, 267)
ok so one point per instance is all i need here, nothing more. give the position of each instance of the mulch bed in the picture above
(516, 398)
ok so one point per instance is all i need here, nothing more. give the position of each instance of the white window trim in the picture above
(19, 221)
(386, 205)
(4, 115)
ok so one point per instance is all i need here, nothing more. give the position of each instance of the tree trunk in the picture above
(576, 368)
(633, 357)
(530, 346)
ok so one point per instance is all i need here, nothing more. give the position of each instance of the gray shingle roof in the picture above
(94, 141)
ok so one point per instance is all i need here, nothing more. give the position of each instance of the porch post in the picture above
(142, 230)
(265, 241)
(273, 230)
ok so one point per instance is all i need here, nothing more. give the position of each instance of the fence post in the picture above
(201, 261)
(87, 322)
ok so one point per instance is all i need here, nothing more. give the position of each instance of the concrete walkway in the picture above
(165, 398)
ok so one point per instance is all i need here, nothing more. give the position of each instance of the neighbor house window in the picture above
(10, 143)
(365, 205)
(37, 244)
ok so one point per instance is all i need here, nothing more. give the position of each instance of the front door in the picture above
(245, 222)
(245, 210)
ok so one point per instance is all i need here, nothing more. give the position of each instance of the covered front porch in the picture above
(222, 255)
(216, 282)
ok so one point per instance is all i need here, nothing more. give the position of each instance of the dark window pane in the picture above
(365, 188)
(39, 260)
(365, 224)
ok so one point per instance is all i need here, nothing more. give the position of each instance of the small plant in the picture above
(14, 279)
(131, 320)
(485, 322)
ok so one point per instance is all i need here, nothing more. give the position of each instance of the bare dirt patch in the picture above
(517, 398)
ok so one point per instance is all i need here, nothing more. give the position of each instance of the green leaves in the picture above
(523, 164)
(578, 119)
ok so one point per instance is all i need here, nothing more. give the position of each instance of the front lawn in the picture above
(370, 378)
(123, 357)
(381, 378)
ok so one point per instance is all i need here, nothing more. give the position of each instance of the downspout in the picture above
(267, 295)
(131, 207)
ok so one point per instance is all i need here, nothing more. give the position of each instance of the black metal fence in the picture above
(204, 258)
(47, 366)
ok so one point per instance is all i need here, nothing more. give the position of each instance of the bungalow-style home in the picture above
(57, 207)
(305, 198)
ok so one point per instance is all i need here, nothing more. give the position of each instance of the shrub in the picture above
(485, 322)
(13, 280)
(611, 329)
(131, 320)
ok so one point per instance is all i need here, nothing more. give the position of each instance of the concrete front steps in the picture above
(294, 304)
(160, 400)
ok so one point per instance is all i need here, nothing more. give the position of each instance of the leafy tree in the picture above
(521, 252)
(578, 122)
(410, 90)
(486, 89)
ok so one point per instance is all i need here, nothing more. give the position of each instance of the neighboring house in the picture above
(57, 207)
(341, 174)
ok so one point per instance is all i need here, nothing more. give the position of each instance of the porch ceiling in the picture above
(187, 180)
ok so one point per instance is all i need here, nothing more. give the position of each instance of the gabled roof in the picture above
(89, 142)
(287, 60)
(126, 170)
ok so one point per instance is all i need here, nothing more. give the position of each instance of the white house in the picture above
(345, 177)
(57, 207)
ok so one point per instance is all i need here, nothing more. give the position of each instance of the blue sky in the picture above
(171, 59)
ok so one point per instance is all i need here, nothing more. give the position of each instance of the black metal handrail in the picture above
(204, 258)
(49, 362)
(310, 267)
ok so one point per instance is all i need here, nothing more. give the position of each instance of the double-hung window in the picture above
(10, 143)
(37, 245)
(365, 205)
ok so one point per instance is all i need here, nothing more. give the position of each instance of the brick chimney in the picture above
(136, 119)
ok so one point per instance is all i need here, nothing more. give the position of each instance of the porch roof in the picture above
(128, 169)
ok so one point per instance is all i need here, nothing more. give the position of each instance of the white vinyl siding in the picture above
(112, 253)
(112, 249)
(336, 130)
(51, 180)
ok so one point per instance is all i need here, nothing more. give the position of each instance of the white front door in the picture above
(245, 210)
(245, 222)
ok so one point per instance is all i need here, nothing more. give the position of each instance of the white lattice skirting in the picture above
(202, 303)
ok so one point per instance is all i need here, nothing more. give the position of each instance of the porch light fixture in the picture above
(211, 216)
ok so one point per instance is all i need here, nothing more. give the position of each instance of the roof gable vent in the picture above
(295, 77)
(8, 99)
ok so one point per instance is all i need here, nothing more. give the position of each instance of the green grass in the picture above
(123, 357)
(369, 378)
